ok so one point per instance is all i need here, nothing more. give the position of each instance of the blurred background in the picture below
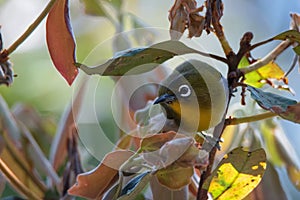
(41, 86)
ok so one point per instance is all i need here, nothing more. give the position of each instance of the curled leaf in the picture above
(95, 183)
(184, 14)
(60, 40)
(135, 186)
(270, 101)
(292, 35)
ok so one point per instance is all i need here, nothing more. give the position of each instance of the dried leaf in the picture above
(237, 174)
(292, 113)
(184, 14)
(138, 60)
(60, 40)
(95, 183)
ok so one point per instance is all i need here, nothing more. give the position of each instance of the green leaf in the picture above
(135, 186)
(93, 7)
(139, 60)
(292, 35)
(174, 176)
(96, 7)
(263, 75)
(297, 49)
(270, 101)
(237, 175)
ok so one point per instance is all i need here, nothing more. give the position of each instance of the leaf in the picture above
(184, 14)
(93, 7)
(175, 177)
(270, 101)
(138, 60)
(297, 49)
(294, 176)
(155, 142)
(95, 183)
(292, 35)
(135, 186)
(237, 175)
(292, 113)
(264, 75)
(60, 40)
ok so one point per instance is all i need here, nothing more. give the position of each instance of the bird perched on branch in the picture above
(195, 96)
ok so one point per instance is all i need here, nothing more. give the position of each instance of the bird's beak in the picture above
(165, 98)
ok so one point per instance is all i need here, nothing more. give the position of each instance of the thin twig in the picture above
(296, 57)
(236, 121)
(268, 58)
(30, 29)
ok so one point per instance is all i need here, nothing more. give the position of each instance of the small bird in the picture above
(195, 96)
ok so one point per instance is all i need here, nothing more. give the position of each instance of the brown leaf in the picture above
(95, 183)
(184, 14)
(60, 40)
(196, 25)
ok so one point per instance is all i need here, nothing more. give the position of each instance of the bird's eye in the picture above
(184, 91)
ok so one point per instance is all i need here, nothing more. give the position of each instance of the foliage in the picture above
(167, 158)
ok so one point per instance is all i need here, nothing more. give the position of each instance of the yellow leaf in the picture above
(237, 174)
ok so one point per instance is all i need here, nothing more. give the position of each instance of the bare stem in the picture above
(268, 58)
(30, 29)
(236, 121)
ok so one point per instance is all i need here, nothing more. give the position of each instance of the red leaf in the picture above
(60, 40)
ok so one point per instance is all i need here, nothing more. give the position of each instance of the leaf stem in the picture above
(30, 29)
(236, 121)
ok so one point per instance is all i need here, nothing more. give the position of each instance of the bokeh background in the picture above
(40, 85)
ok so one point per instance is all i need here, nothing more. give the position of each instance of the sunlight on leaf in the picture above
(60, 40)
(265, 75)
(95, 183)
(237, 174)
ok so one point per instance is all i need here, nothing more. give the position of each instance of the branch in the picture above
(236, 121)
(30, 29)
(268, 58)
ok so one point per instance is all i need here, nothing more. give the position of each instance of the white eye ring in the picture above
(186, 89)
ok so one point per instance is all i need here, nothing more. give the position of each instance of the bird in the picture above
(195, 96)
